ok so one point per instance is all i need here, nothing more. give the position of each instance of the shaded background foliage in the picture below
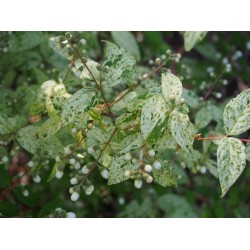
(27, 60)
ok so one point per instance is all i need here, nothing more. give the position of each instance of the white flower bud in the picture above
(138, 183)
(85, 169)
(77, 165)
(182, 101)
(73, 181)
(218, 95)
(157, 165)
(5, 159)
(59, 174)
(203, 170)
(31, 164)
(134, 160)
(71, 215)
(105, 173)
(89, 190)
(67, 151)
(72, 161)
(91, 150)
(157, 60)
(57, 159)
(80, 156)
(71, 190)
(127, 173)
(127, 156)
(177, 60)
(171, 97)
(149, 179)
(75, 196)
(168, 52)
(74, 130)
(151, 153)
(26, 193)
(37, 179)
(148, 168)
(225, 82)
(83, 42)
(178, 55)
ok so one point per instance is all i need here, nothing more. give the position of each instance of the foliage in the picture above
(88, 115)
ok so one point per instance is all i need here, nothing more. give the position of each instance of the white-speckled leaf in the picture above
(127, 41)
(27, 138)
(165, 142)
(182, 130)
(231, 160)
(137, 143)
(191, 38)
(153, 118)
(164, 176)
(122, 66)
(212, 167)
(74, 112)
(236, 115)
(117, 170)
(50, 127)
(171, 85)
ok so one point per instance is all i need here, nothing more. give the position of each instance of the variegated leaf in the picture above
(171, 85)
(236, 115)
(122, 66)
(74, 112)
(153, 118)
(182, 130)
(50, 127)
(191, 38)
(231, 160)
(164, 176)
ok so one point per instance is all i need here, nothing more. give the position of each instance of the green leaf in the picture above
(203, 117)
(50, 127)
(153, 118)
(20, 41)
(8, 209)
(164, 176)
(175, 206)
(74, 112)
(10, 124)
(126, 40)
(191, 38)
(182, 130)
(165, 142)
(171, 85)
(122, 66)
(137, 143)
(5, 177)
(231, 160)
(236, 115)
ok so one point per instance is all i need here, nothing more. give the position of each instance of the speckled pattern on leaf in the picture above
(75, 110)
(117, 170)
(153, 118)
(231, 159)
(49, 127)
(182, 130)
(171, 85)
(236, 115)
(191, 38)
(164, 176)
(122, 66)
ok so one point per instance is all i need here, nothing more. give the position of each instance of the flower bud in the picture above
(157, 165)
(105, 173)
(127, 173)
(75, 196)
(89, 190)
(148, 168)
(151, 153)
(138, 183)
(72, 161)
(171, 97)
(73, 181)
(85, 169)
(91, 150)
(83, 42)
(182, 101)
(158, 60)
(59, 174)
(127, 156)
(169, 52)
